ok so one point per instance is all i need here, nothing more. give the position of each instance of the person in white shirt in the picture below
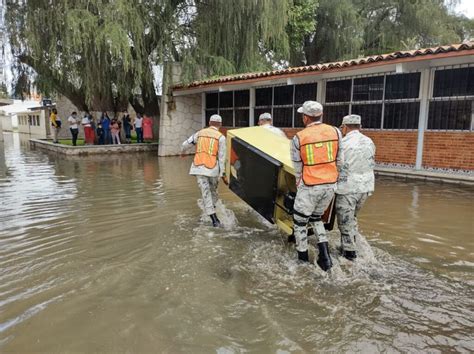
(265, 120)
(355, 182)
(73, 127)
(209, 163)
(138, 123)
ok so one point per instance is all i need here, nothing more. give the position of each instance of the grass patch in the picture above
(80, 142)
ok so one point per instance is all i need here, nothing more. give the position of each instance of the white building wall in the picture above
(7, 125)
(179, 120)
(31, 128)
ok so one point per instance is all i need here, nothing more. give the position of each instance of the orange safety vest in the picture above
(319, 144)
(207, 148)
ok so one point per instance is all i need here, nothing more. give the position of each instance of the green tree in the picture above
(3, 90)
(301, 24)
(100, 54)
(337, 33)
(352, 28)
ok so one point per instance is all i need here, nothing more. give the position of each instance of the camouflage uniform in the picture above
(208, 179)
(275, 130)
(208, 186)
(310, 204)
(355, 184)
(310, 201)
(265, 121)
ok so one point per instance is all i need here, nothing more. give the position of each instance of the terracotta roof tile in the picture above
(333, 65)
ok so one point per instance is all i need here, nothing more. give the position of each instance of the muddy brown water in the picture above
(112, 254)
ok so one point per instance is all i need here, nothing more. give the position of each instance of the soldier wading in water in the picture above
(315, 151)
(355, 183)
(209, 163)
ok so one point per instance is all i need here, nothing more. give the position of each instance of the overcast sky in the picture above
(466, 7)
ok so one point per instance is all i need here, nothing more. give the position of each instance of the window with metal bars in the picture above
(282, 103)
(232, 106)
(333, 114)
(389, 101)
(338, 101)
(451, 104)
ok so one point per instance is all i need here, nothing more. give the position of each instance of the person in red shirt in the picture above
(147, 128)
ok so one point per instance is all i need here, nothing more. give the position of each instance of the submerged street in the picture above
(112, 254)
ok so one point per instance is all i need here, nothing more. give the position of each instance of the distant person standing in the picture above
(93, 126)
(147, 128)
(88, 132)
(355, 183)
(265, 120)
(73, 127)
(115, 130)
(127, 127)
(100, 134)
(105, 121)
(55, 124)
(209, 163)
(138, 123)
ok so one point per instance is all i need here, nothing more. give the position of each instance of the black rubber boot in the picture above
(324, 259)
(303, 256)
(215, 220)
(350, 255)
(292, 238)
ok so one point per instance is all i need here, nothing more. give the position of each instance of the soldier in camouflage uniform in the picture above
(265, 120)
(315, 152)
(209, 163)
(355, 183)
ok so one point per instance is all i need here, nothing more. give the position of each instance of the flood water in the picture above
(113, 255)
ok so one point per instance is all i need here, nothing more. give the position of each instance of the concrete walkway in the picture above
(424, 175)
(86, 150)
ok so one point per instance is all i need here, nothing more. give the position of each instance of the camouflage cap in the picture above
(215, 118)
(351, 119)
(311, 108)
(264, 116)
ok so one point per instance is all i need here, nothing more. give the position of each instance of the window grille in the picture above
(232, 106)
(282, 103)
(333, 114)
(384, 101)
(451, 103)
(371, 113)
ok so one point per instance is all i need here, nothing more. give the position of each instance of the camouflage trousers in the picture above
(347, 207)
(208, 186)
(310, 204)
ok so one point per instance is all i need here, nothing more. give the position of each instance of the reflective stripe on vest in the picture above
(207, 148)
(319, 144)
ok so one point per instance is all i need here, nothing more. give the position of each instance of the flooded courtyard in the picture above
(112, 254)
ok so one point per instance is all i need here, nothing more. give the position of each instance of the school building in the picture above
(417, 106)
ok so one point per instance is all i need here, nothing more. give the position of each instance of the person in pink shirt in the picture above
(115, 130)
(147, 128)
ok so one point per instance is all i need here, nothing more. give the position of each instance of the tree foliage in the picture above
(101, 53)
(352, 28)
(95, 52)
(3, 90)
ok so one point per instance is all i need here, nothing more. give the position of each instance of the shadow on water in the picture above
(113, 254)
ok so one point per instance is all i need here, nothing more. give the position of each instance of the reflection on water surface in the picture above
(111, 254)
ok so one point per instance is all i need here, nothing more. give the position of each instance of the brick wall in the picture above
(392, 146)
(453, 150)
(397, 147)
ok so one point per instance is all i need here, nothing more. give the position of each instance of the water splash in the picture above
(226, 216)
